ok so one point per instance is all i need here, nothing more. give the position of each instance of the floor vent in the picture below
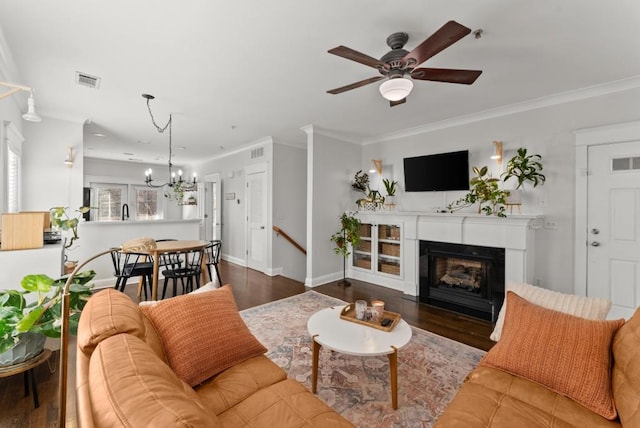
(84, 79)
(257, 152)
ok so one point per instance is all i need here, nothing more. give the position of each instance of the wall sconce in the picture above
(31, 114)
(69, 160)
(497, 151)
(376, 166)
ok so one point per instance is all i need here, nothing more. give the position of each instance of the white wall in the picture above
(289, 209)
(331, 164)
(47, 181)
(547, 131)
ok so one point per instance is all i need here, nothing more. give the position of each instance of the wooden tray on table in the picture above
(348, 313)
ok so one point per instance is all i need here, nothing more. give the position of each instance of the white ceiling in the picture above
(235, 72)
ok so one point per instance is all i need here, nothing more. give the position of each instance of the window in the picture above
(148, 203)
(13, 181)
(13, 178)
(109, 199)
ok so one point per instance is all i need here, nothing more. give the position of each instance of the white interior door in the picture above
(256, 219)
(613, 219)
(212, 208)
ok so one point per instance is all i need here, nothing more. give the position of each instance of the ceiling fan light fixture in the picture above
(396, 89)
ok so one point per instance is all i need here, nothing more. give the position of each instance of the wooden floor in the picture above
(250, 288)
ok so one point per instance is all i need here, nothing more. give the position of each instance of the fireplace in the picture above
(464, 278)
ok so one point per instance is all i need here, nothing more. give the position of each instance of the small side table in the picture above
(27, 367)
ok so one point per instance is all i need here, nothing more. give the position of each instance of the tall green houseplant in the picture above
(349, 234)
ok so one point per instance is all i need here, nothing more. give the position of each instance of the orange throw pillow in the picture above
(569, 355)
(203, 334)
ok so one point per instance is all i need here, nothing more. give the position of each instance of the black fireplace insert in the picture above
(468, 279)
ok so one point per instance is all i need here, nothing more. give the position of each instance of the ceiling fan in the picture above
(398, 63)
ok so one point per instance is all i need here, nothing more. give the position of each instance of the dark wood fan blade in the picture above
(355, 85)
(465, 77)
(395, 103)
(447, 35)
(356, 56)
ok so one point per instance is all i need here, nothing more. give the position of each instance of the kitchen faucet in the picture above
(125, 211)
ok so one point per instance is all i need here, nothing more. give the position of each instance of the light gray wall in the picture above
(47, 181)
(547, 131)
(231, 170)
(289, 209)
(331, 165)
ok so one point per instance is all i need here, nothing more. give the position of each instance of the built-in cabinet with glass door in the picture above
(379, 250)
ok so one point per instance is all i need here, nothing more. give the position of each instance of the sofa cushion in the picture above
(626, 371)
(567, 354)
(236, 383)
(286, 404)
(580, 306)
(130, 386)
(493, 398)
(203, 334)
(107, 313)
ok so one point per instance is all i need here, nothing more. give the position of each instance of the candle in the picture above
(378, 307)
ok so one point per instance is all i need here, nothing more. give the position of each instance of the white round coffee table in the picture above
(329, 330)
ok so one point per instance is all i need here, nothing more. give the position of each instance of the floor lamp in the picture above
(133, 245)
(64, 339)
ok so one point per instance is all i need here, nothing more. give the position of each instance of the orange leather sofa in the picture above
(123, 379)
(493, 398)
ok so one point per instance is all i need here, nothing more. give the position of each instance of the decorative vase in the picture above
(29, 345)
(390, 202)
(514, 198)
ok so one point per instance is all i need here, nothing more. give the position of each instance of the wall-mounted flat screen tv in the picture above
(439, 172)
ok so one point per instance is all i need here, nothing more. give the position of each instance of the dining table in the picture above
(168, 247)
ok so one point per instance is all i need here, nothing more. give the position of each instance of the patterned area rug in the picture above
(431, 368)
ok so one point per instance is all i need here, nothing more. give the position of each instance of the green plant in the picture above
(349, 233)
(360, 182)
(44, 314)
(372, 196)
(525, 168)
(61, 219)
(390, 186)
(484, 191)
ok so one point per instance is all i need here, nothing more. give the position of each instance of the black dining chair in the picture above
(184, 267)
(128, 265)
(212, 258)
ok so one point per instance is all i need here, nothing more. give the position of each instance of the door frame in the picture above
(611, 134)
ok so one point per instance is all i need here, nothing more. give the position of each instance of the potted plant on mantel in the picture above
(524, 168)
(27, 316)
(390, 186)
(349, 234)
(485, 192)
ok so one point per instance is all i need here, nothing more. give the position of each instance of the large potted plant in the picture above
(28, 315)
(348, 235)
(524, 168)
(485, 192)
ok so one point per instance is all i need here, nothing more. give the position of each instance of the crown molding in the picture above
(315, 129)
(551, 100)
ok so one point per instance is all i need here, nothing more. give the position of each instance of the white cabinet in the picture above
(378, 256)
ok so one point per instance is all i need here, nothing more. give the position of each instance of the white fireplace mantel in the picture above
(515, 233)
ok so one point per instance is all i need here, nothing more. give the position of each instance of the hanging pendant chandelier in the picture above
(176, 186)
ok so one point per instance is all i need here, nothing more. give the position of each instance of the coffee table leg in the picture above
(314, 366)
(393, 373)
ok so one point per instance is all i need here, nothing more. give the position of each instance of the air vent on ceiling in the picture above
(257, 152)
(84, 79)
